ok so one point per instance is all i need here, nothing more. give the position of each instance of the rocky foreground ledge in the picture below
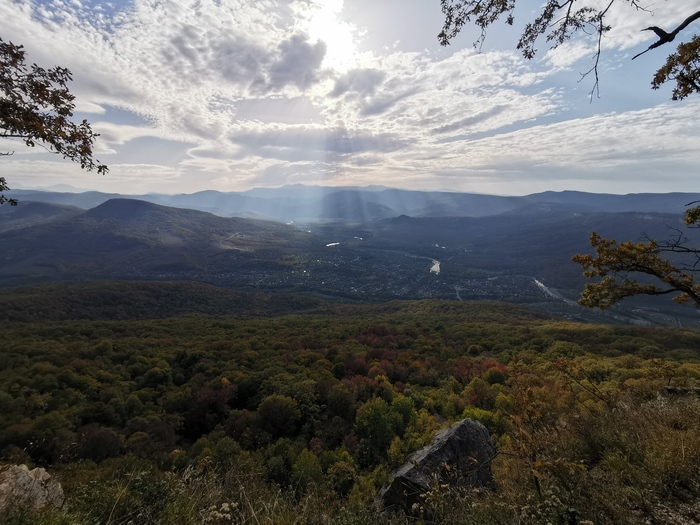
(28, 489)
(459, 456)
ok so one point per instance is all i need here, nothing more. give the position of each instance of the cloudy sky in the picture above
(229, 95)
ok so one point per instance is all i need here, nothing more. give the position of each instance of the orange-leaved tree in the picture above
(625, 268)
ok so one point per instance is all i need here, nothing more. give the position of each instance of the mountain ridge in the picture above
(320, 203)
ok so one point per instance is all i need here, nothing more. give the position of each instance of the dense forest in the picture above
(299, 415)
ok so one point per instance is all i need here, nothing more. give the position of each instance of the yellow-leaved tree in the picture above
(621, 265)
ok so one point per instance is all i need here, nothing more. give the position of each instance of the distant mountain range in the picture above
(474, 247)
(313, 203)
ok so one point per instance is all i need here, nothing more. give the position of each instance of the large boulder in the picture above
(26, 489)
(460, 456)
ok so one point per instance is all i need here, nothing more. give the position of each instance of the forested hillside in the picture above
(299, 417)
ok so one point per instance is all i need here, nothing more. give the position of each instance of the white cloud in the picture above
(568, 54)
(157, 58)
(122, 178)
(114, 134)
(647, 147)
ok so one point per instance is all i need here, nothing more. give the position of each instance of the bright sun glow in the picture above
(327, 26)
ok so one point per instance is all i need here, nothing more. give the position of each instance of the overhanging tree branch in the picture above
(614, 262)
(664, 37)
(36, 106)
(559, 20)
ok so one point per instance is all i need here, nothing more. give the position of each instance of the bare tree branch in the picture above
(559, 20)
(664, 37)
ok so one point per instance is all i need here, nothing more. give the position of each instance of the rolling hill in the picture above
(124, 238)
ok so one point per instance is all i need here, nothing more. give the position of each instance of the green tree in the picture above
(558, 20)
(376, 424)
(36, 106)
(278, 415)
(306, 471)
(341, 477)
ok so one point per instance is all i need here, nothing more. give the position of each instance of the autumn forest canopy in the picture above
(322, 405)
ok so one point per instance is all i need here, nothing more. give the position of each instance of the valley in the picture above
(521, 255)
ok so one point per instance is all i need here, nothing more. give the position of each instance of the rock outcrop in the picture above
(28, 489)
(460, 455)
(680, 391)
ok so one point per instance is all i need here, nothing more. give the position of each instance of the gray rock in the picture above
(460, 456)
(28, 489)
(680, 391)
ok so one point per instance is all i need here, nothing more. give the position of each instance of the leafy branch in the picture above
(36, 106)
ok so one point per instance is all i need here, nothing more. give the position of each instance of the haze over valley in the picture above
(350, 245)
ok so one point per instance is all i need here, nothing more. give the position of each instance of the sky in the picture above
(190, 95)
